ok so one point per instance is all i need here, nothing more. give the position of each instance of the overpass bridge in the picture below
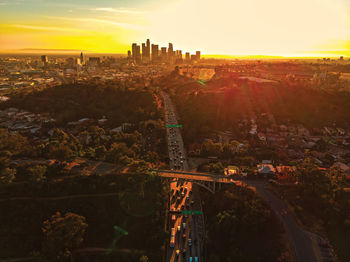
(210, 182)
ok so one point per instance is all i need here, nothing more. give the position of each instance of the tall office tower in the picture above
(148, 49)
(163, 54)
(44, 59)
(170, 53)
(198, 55)
(144, 52)
(82, 61)
(187, 56)
(129, 54)
(137, 54)
(133, 50)
(155, 52)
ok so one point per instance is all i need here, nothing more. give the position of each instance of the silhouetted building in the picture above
(163, 54)
(44, 59)
(187, 56)
(148, 50)
(155, 50)
(129, 54)
(133, 50)
(82, 60)
(198, 55)
(170, 53)
(136, 54)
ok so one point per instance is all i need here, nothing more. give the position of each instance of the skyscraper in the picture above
(82, 61)
(129, 54)
(137, 54)
(198, 55)
(163, 54)
(170, 53)
(187, 56)
(133, 50)
(148, 50)
(144, 55)
(44, 59)
(155, 51)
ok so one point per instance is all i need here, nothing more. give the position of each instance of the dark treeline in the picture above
(221, 103)
(72, 102)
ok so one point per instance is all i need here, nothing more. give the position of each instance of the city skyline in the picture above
(221, 29)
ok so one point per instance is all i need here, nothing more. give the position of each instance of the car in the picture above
(189, 242)
(178, 228)
(173, 218)
(195, 259)
(190, 259)
(184, 235)
(184, 225)
(182, 207)
(192, 202)
(187, 198)
(177, 252)
(184, 252)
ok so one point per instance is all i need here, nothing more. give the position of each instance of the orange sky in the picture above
(229, 27)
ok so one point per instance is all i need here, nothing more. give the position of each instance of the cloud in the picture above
(114, 10)
(3, 3)
(47, 28)
(101, 21)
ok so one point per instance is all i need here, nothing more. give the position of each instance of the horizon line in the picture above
(215, 56)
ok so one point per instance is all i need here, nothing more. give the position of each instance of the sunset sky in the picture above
(226, 27)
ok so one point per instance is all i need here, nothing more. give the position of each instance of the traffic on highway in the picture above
(183, 224)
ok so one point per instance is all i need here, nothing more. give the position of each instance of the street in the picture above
(184, 243)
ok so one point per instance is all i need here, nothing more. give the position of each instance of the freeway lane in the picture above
(181, 192)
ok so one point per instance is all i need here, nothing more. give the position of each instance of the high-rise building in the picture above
(137, 54)
(163, 54)
(170, 53)
(129, 54)
(198, 55)
(44, 59)
(144, 52)
(155, 51)
(133, 50)
(148, 50)
(187, 56)
(82, 60)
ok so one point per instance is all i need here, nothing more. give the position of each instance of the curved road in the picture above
(299, 238)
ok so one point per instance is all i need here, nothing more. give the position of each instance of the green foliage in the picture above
(75, 101)
(7, 175)
(13, 144)
(37, 174)
(144, 259)
(62, 233)
(239, 221)
(216, 168)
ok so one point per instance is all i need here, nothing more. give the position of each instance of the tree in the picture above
(217, 168)
(144, 259)
(7, 175)
(37, 174)
(62, 234)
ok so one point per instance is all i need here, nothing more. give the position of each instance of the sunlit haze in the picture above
(221, 27)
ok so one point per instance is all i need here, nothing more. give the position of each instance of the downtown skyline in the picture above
(224, 28)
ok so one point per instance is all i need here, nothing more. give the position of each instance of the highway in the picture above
(187, 237)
